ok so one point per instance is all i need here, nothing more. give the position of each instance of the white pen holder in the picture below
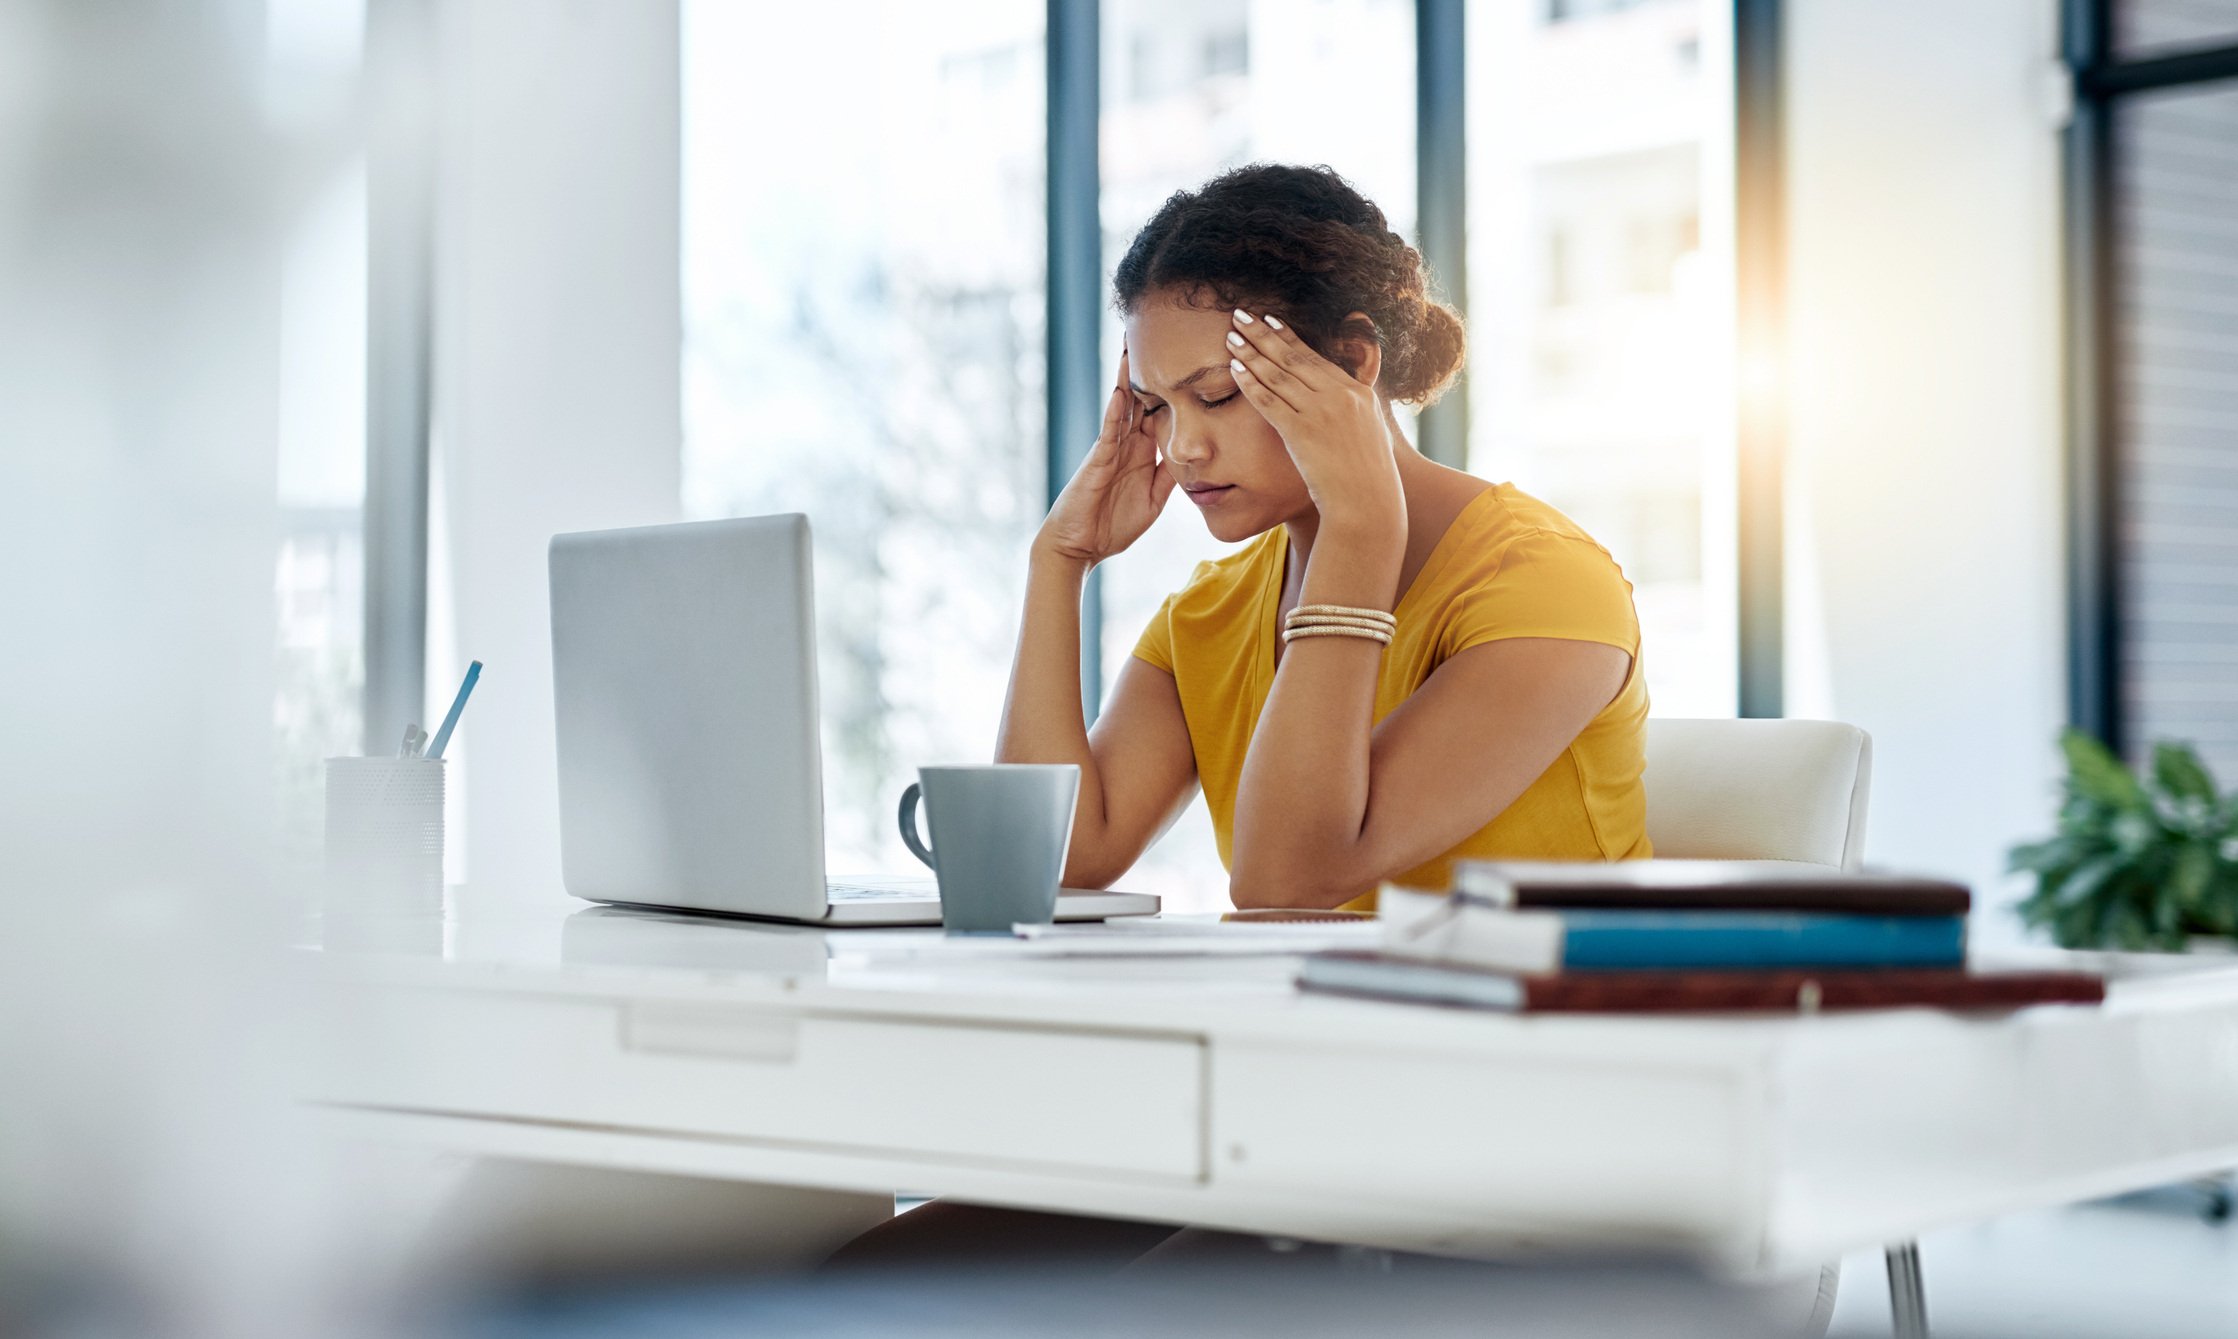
(384, 834)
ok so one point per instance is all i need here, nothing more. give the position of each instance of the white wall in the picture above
(557, 384)
(1925, 555)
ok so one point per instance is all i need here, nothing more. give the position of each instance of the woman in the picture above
(1478, 695)
(1406, 665)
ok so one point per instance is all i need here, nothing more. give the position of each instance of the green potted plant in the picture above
(2145, 862)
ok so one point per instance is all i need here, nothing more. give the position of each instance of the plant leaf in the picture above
(2178, 772)
(2135, 833)
(2218, 909)
(2189, 876)
(2076, 926)
(2072, 904)
(2042, 857)
(2094, 773)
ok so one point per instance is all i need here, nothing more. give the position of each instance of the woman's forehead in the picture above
(1169, 342)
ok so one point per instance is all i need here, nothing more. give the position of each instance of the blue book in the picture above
(1594, 939)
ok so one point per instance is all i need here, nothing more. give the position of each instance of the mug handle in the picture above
(908, 817)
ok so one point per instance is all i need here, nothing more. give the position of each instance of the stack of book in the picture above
(1675, 935)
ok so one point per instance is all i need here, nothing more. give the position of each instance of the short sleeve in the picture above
(1156, 643)
(1546, 585)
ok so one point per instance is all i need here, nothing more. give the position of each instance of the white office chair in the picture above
(1788, 791)
(1758, 790)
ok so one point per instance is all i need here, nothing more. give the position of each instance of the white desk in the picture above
(1208, 1092)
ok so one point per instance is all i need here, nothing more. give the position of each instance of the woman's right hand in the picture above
(1117, 491)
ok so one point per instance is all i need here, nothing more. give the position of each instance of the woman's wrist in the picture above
(1363, 536)
(1355, 563)
(1045, 559)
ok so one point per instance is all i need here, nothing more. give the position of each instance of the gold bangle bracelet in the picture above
(1332, 621)
(1345, 611)
(1362, 634)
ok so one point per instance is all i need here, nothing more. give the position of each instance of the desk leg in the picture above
(1907, 1292)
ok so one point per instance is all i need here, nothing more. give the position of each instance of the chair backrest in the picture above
(1758, 790)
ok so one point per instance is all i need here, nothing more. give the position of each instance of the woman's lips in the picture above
(1205, 497)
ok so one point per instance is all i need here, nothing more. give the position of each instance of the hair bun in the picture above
(1430, 355)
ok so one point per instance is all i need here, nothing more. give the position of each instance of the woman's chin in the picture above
(1230, 525)
(1229, 530)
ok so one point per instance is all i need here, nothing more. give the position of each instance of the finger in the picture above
(1273, 337)
(1125, 381)
(1117, 421)
(1161, 487)
(1138, 447)
(1272, 407)
(1270, 374)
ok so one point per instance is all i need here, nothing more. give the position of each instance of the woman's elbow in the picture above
(1254, 887)
(1090, 878)
(1089, 868)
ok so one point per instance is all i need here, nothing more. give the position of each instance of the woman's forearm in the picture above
(1302, 800)
(1043, 719)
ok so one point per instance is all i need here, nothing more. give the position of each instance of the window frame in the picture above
(2101, 82)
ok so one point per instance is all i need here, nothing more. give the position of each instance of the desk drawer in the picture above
(890, 1087)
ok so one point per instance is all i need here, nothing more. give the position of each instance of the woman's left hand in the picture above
(1331, 421)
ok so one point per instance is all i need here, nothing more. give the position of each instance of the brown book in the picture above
(1708, 885)
(1378, 976)
(1295, 915)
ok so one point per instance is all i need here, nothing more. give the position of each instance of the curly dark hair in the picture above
(1303, 243)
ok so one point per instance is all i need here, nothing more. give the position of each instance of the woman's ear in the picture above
(1357, 348)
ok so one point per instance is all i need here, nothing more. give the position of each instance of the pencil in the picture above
(458, 704)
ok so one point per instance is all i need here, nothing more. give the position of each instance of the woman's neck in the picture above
(1434, 494)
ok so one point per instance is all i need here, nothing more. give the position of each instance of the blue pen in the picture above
(458, 704)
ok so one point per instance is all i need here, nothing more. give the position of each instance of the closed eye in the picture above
(1148, 410)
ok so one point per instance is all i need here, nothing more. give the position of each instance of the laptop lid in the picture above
(684, 693)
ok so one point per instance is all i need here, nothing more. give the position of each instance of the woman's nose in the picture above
(1185, 447)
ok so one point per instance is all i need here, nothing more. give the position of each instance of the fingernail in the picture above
(1242, 317)
(1235, 339)
(1236, 364)
(1273, 324)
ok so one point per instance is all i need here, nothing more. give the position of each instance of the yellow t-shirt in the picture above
(1509, 566)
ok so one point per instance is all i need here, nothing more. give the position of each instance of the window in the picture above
(1262, 92)
(2175, 365)
(2147, 28)
(2153, 286)
(1600, 317)
(313, 51)
(863, 279)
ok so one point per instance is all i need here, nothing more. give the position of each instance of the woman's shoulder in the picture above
(1504, 526)
(1503, 513)
(1520, 568)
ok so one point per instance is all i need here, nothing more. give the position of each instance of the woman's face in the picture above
(1230, 462)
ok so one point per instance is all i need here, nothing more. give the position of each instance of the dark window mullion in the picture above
(1075, 286)
(2101, 78)
(1760, 264)
(1441, 193)
(2093, 603)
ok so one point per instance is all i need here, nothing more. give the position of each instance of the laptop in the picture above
(690, 763)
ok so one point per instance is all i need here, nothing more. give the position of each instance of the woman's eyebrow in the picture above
(1186, 382)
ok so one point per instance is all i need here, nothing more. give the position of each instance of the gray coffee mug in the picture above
(1000, 832)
